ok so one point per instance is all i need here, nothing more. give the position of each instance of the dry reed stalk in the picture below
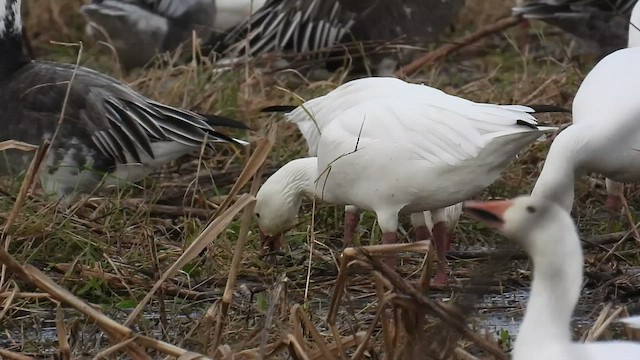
(604, 320)
(6, 305)
(295, 323)
(345, 342)
(227, 296)
(319, 341)
(20, 199)
(295, 349)
(443, 51)
(17, 145)
(113, 349)
(64, 350)
(278, 292)
(6, 354)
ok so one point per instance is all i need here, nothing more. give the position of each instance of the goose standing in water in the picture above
(548, 234)
(109, 134)
(601, 23)
(420, 149)
(140, 29)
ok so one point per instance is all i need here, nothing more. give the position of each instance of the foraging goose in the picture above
(140, 29)
(109, 132)
(604, 137)
(314, 115)
(420, 149)
(602, 23)
(548, 234)
(313, 27)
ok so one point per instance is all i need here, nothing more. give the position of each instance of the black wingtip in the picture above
(222, 137)
(217, 120)
(278, 108)
(548, 108)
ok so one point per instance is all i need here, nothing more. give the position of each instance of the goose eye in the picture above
(531, 209)
(258, 215)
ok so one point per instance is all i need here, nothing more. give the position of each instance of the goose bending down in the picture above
(140, 29)
(420, 149)
(605, 135)
(314, 115)
(602, 23)
(109, 133)
(548, 234)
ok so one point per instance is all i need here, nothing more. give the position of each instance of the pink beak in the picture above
(489, 212)
(272, 243)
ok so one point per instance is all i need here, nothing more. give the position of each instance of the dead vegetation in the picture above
(173, 266)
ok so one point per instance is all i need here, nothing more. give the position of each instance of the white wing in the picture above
(440, 128)
(312, 116)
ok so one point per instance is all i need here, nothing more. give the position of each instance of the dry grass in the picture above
(144, 241)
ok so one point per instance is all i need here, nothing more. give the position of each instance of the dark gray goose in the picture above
(601, 24)
(140, 29)
(110, 133)
(308, 26)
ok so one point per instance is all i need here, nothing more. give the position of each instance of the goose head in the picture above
(279, 199)
(534, 222)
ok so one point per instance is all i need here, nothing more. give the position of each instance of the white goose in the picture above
(548, 234)
(314, 115)
(605, 135)
(415, 150)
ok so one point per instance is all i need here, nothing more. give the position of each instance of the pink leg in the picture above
(523, 36)
(440, 238)
(422, 233)
(390, 238)
(614, 203)
(351, 220)
(450, 238)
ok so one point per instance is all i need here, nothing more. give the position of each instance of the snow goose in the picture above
(314, 115)
(140, 29)
(604, 137)
(615, 190)
(548, 234)
(109, 133)
(602, 23)
(420, 149)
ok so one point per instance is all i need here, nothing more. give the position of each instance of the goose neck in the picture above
(555, 289)
(556, 181)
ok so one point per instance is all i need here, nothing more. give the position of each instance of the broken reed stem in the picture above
(444, 50)
(227, 296)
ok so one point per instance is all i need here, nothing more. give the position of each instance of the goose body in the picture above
(140, 29)
(605, 133)
(109, 134)
(314, 115)
(547, 232)
(420, 149)
(602, 23)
